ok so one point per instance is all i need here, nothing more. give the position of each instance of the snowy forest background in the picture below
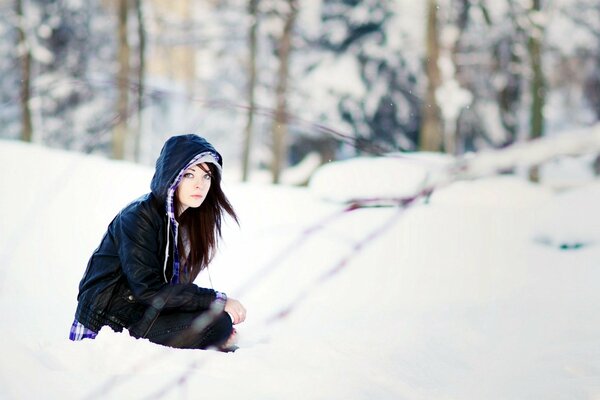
(435, 231)
(270, 82)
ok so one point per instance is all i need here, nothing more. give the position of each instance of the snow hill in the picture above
(479, 293)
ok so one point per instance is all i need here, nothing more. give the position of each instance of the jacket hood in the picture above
(175, 155)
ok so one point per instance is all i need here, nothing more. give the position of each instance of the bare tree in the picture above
(431, 129)
(537, 86)
(141, 75)
(24, 53)
(280, 120)
(252, 42)
(121, 129)
(537, 80)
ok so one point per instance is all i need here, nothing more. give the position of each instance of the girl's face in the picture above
(193, 187)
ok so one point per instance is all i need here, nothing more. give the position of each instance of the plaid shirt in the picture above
(80, 332)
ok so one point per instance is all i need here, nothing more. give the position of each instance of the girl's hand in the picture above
(236, 311)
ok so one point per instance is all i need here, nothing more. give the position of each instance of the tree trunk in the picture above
(25, 54)
(537, 83)
(534, 46)
(120, 131)
(431, 136)
(280, 119)
(252, 11)
(454, 143)
(141, 76)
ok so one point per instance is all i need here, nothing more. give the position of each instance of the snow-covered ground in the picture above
(487, 291)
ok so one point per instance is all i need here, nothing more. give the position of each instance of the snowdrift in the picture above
(452, 298)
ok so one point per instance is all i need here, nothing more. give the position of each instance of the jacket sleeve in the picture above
(140, 254)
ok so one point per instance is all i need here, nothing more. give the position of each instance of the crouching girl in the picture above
(141, 276)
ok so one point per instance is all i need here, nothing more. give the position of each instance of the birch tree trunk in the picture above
(280, 121)
(431, 135)
(24, 54)
(252, 39)
(120, 130)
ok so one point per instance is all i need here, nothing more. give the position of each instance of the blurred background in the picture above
(283, 84)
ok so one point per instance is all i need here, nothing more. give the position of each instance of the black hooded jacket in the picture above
(126, 281)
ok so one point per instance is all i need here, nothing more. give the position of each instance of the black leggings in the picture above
(188, 330)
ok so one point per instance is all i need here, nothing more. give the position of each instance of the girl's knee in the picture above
(217, 333)
(224, 325)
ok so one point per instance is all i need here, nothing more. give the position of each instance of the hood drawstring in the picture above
(167, 249)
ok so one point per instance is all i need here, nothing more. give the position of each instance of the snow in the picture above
(453, 298)
(561, 25)
(575, 142)
(570, 218)
(384, 178)
(498, 192)
(567, 172)
(380, 177)
(334, 75)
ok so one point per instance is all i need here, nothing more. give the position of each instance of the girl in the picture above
(140, 277)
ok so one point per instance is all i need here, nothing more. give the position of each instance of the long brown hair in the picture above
(203, 227)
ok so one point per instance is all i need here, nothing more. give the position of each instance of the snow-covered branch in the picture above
(529, 154)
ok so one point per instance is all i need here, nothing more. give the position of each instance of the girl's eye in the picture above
(207, 177)
(188, 175)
